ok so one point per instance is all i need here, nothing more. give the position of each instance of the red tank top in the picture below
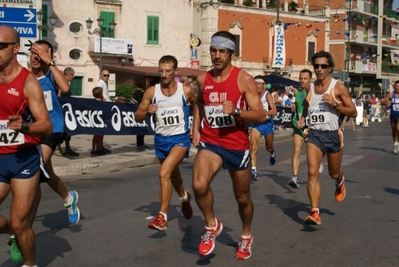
(13, 102)
(218, 128)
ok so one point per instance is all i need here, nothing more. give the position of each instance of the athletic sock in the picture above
(165, 216)
(254, 169)
(185, 198)
(68, 200)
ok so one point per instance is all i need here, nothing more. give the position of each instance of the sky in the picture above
(395, 4)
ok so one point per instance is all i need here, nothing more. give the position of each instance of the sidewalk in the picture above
(124, 154)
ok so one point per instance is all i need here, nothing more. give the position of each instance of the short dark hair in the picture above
(41, 42)
(326, 55)
(306, 71)
(168, 59)
(397, 82)
(97, 91)
(141, 83)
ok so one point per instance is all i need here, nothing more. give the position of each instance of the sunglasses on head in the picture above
(323, 66)
(105, 75)
(5, 44)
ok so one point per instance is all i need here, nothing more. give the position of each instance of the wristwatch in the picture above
(52, 63)
(335, 105)
(237, 112)
(25, 127)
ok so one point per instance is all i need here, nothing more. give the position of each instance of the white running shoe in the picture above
(294, 182)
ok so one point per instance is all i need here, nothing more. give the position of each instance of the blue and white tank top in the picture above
(395, 104)
(53, 105)
(172, 116)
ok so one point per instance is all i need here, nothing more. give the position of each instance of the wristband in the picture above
(237, 112)
(25, 127)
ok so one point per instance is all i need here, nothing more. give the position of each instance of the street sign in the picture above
(21, 19)
(26, 44)
(19, 2)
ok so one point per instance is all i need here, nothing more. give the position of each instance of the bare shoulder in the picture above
(245, 81)
(149, 92)
(340, 89)
(32, 86)
(201, 79)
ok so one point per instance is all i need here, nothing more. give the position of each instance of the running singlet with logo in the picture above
(52, 103)
(321, 115)
(395, 104)
(13, 102)
(173, 112)
(218, 128)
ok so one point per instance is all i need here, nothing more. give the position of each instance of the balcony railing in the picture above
(389, 68)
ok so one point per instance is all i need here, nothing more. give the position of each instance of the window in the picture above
(45, 20)
(108, 18)
(311, 50)
(152, 30)
(75, 27)
(237, 36)
(75, 54)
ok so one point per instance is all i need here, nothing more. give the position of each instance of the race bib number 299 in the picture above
(217, 119)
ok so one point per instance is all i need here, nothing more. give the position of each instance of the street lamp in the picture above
(41, 26)
(101, 32)
(348, 47)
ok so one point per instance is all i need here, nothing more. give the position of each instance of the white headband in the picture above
(259, 80)
(219, 41)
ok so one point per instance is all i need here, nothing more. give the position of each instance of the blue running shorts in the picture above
(163, 144)
(265, 128)
(23, 164)
(232, 159)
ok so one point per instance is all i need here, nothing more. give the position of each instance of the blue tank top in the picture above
(395, 104)
(53, 105)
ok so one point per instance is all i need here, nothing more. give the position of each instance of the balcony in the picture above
(389, 68)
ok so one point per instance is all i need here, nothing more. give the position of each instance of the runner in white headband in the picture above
(220, 41)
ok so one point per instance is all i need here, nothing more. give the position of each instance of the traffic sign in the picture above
(26, 44)
(21, 19)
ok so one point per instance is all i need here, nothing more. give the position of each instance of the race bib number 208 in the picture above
(217, 119)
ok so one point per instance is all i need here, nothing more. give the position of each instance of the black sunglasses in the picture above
(323, 66)
(105, 75)
(5, 44)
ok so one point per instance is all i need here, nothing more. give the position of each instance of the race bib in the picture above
(170, 116)
(48, 99)
(217, 119)
(10, 137)
(395, 107)
(319, 118)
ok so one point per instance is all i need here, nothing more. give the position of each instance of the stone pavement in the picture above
(124, 154)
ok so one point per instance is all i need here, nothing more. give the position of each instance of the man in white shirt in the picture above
(103, 83)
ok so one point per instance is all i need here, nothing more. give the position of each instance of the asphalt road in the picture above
(361, 231)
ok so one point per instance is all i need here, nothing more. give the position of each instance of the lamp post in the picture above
(101, 32)
(41, 26)
(348, 46)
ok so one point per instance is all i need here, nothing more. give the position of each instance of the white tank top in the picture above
(172, 113)
(263, 99)
(321, 115)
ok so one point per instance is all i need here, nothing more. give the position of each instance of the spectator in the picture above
(138, 96)
(97, 143)
(366, 111)
(69, 73)
(103, 83)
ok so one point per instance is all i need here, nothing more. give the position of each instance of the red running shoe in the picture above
(340, 192)
(159, 223)
(244, 248)
(186, 207)
(208, 239)
(313, 218)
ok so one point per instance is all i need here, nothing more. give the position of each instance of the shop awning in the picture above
(151, 71)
